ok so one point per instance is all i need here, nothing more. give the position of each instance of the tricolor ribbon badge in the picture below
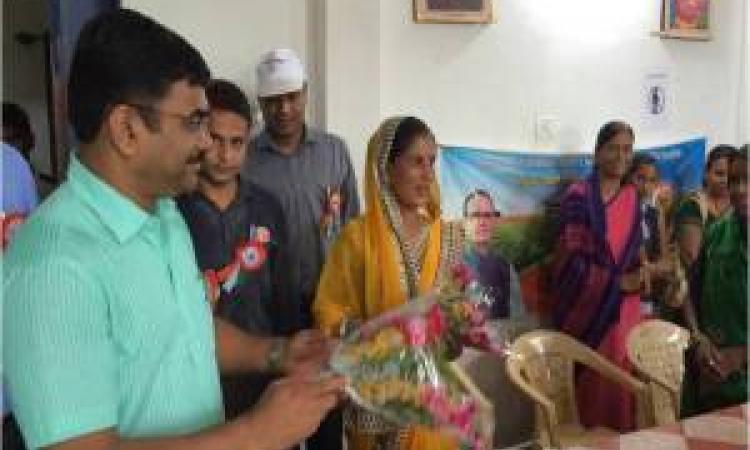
(248, 257)
(252, 256)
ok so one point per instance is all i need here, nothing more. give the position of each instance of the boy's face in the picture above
(223, 160)
(646, 178)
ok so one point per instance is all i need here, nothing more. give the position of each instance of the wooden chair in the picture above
(541, 363)
(657, 351)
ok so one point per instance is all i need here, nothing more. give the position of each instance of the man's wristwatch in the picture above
(276, 353)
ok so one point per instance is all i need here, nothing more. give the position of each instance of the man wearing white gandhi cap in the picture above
(280, 71)
(310, 173)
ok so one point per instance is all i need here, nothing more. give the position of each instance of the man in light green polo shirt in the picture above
(108, 338)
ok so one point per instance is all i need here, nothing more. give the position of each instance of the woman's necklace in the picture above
(414, 247)
(609, 190)
(412, 244)
(717, 205)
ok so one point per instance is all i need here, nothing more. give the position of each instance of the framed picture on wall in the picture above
(686, 19)
(453, 11)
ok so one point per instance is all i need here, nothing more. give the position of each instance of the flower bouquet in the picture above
(399, 364)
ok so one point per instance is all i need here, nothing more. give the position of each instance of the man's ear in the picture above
(124, 127)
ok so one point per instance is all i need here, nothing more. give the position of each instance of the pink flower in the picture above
(477, 318)
(477, 337)
(415, 331)
(435, 323)
(435, 401)
(462, 417)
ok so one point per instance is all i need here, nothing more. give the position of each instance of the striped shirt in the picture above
(105, 319)
(304, 183)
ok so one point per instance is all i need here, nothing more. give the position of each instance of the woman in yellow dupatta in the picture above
(397, 250)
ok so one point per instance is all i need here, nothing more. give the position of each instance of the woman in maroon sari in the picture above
(596, 273)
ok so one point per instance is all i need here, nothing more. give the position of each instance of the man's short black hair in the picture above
(640, 160)
(125, 57)
(227, 96)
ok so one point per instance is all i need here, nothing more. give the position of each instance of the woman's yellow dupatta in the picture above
(341, 294)
(383, 285)
(362, 275)
(384, 289)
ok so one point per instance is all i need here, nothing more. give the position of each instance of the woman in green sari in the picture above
(698, 210)
(722, 310)
(693, 215)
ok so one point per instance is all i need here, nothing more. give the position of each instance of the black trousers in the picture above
(330, 434)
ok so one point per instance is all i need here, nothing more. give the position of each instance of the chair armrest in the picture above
(514, 373)
(658, 380)
(643, 399)
(614, 373)
(547, 406)
(469, 385)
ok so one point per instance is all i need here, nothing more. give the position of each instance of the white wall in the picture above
(582, 61)
(233, 34)
(579, 62)
(353, 99)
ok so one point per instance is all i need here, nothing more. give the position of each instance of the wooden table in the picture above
(725, 429)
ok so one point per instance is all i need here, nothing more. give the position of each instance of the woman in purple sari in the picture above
(596, 273)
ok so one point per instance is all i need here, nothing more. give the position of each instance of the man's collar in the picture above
(117, 212)
(264, 141)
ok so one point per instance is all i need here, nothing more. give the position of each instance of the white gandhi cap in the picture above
(279, 71)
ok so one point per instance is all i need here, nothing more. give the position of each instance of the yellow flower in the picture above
(365, 390)
(384, 342)
(379, 394)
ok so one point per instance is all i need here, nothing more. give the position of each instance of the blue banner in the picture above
(521, 181)
(525, 188)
